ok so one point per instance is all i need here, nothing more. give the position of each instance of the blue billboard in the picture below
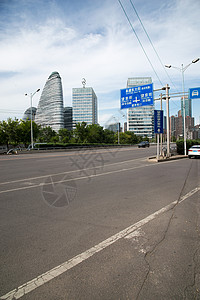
(137, 96)
(158, 121)
(194, 93)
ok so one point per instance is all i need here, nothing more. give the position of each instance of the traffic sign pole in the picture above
(158, 147)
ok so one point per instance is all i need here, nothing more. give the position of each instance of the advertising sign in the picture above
(137, 96)
(194, 93)
(158, 121)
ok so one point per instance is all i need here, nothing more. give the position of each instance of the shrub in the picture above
(189, 143)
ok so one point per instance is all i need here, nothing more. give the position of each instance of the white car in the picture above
(194, 151)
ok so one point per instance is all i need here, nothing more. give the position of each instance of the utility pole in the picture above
(167, 108)
(161, 135)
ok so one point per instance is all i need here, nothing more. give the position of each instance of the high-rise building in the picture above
(50, 107)
(140, 120)
(84, 102)
(172, 126)
(188, 106)
(27, 114)
(67, 112)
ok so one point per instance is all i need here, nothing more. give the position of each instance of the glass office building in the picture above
(50, 107)
(188, 106)
(84, 102)
(140, 119)
(67, 112)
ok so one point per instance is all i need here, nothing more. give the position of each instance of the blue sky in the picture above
(93, 39)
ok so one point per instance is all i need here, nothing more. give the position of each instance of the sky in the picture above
(93, 39)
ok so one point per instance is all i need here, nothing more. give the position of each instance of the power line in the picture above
(143, 47)
(11, 111)
(151, 42)
(139, 42)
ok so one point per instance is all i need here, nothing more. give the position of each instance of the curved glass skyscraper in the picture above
(27, 114)
(50, 107)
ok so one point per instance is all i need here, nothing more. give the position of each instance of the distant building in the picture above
(188, 106)
(179, 125)
(173, 126)
(84, 102)
(114, 127)
(27, 114)
(196, 132)
(50, 107)
(140, 120)
(68, 118)
(125, 126)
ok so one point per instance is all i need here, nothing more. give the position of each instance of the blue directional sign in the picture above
(137, 96)
(158, 121)
(194, 93)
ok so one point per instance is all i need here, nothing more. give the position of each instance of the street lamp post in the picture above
(182, 70)
(117, 129)
(31, 97)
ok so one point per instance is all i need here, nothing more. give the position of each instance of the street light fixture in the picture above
(31, 97)
(182, 70)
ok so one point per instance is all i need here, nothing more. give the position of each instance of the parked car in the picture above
(194, 151)
(143, 144)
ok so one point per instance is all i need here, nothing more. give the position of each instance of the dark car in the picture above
(143, 144)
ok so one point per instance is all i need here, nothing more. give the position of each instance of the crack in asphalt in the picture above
(193, 290)
(156, 245)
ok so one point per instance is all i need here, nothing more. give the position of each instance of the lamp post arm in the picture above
(185, 68)
(176, 68)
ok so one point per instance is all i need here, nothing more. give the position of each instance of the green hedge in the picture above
(189, 143)
(72, 145)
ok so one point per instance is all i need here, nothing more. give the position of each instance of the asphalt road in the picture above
(99, 224)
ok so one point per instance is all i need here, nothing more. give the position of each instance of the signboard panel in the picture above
(137, 96)
(194, 93)
(158, 121)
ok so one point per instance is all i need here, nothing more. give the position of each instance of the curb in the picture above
(175, 157)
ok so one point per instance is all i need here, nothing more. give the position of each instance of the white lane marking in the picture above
(74, 171)
(62, 268)
(80, 178)
(136, 233)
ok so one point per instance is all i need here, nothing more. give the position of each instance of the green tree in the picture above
(108, 136)
(65, 135)
(13, 129)
(46, 135)
(25, 132)
(127, 137)
(4, 138)
(81, 132)
(95, 134)
(10, 132)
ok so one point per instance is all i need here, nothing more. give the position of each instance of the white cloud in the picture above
(98, 45)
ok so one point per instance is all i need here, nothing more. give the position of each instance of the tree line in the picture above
(18, 132)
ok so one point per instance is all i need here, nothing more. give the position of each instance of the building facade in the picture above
(140, 120)
(84, 102)
(188, 106)
(114, 127)
(68, 118)
(50, 107)
(27, 114)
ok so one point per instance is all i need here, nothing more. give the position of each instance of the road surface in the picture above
(99, 224)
